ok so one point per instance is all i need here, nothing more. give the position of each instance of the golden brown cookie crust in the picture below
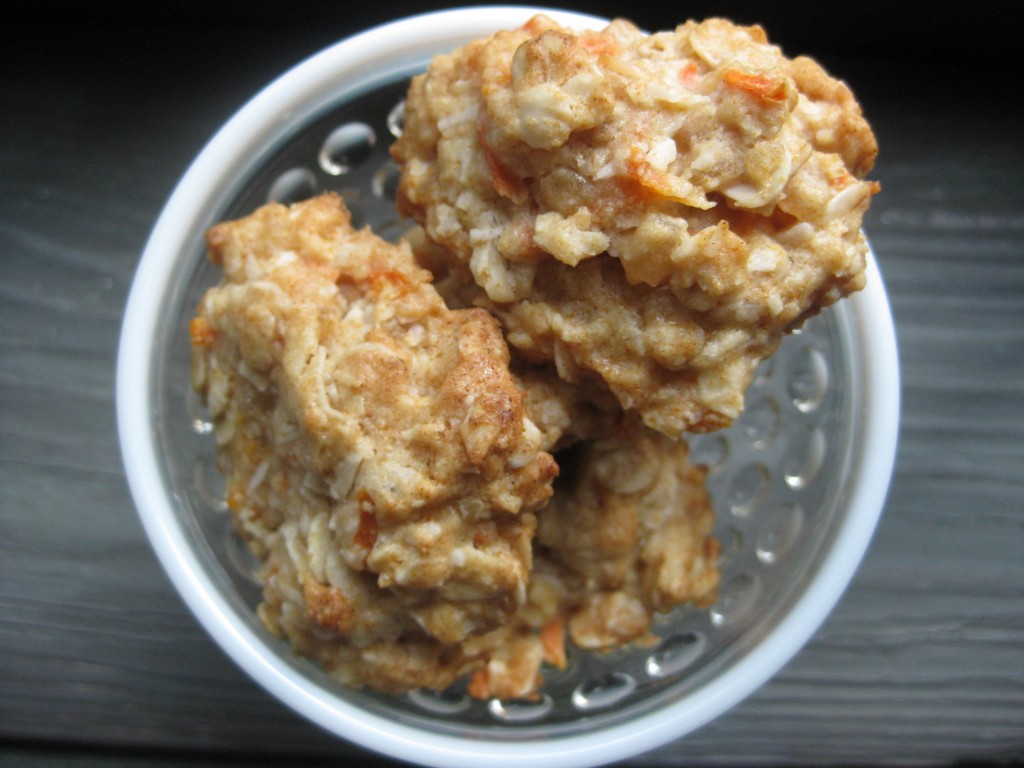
(657, 210)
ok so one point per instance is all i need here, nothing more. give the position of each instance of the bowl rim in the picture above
(293, 95)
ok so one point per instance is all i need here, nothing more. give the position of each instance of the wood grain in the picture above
(100, 663)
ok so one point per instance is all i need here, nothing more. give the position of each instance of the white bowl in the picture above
(799, 481)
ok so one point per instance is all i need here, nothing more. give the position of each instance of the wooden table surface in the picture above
(922, 663)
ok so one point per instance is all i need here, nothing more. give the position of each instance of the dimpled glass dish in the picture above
(798, 481)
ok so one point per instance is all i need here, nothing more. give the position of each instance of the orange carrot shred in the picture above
(235, 498)
(599, 45)
(480, 684)
(366, 533)
(201, 333)
(688, 74)
(761, 86)
(505, 183)
(552, 639)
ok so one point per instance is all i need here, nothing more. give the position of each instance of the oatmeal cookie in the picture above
(630, 531)
(367, 432)
(652, 212)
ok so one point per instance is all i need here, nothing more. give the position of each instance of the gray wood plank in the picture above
(921, 664)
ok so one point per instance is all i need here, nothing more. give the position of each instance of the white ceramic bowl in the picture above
(798, 482)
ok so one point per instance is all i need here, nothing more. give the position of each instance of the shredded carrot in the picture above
(552, 639)
(846, 179)
(599, 45)
(647, 181)
(387, 278)
(763, 87)
(201, 332)
(235, 498)
(505, 183)
(841, 182)
(688, 74)
(366, 533)
(480, 684)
